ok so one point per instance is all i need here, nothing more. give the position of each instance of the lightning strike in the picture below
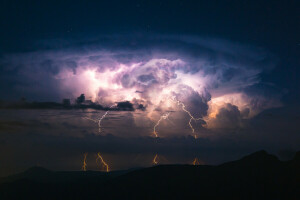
(96, 121)
(84, 162)
(100, 119)
(189, 113)
(103, 116)
(155, 162)
(196, 162)
(164, 116)
(99, 157)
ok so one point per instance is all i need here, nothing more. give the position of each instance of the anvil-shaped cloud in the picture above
(210, 76)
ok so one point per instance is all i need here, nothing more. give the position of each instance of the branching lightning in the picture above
(100, 119)
(164, 116)
(189, 113)
(155, 162)
(84, 162)
(96, 121)
(196, 162)
(99, 157)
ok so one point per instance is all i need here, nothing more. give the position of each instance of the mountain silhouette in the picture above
(256, 176)
(296, 159)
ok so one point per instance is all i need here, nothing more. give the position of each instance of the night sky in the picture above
(208, 79)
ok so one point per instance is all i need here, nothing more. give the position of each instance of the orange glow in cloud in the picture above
(153, 83)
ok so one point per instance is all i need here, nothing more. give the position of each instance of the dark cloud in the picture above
(228, 117)
(125, 105)
(141, 107)
(195, 102)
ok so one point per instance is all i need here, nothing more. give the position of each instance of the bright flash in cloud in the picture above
(209, 81)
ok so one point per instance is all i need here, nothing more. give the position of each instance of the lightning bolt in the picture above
(84, 162)
(155, 162)
(189, 113)
(100, 119)
(99, 157)
(164, 116)
(96, 121)
(196, 162)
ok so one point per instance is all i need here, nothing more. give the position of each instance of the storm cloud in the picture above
(200, 72)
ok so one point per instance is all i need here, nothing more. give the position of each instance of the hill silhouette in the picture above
(256, 176)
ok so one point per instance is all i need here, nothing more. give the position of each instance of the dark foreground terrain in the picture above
(257, 176)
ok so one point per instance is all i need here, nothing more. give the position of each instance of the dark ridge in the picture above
(259, 158)
(296, 160)
(255, 176)
(297, 156)
(37, 170)
(34, 173)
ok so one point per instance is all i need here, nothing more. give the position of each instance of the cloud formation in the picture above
(211, 77)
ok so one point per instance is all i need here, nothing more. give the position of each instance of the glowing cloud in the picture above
(202, 76)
